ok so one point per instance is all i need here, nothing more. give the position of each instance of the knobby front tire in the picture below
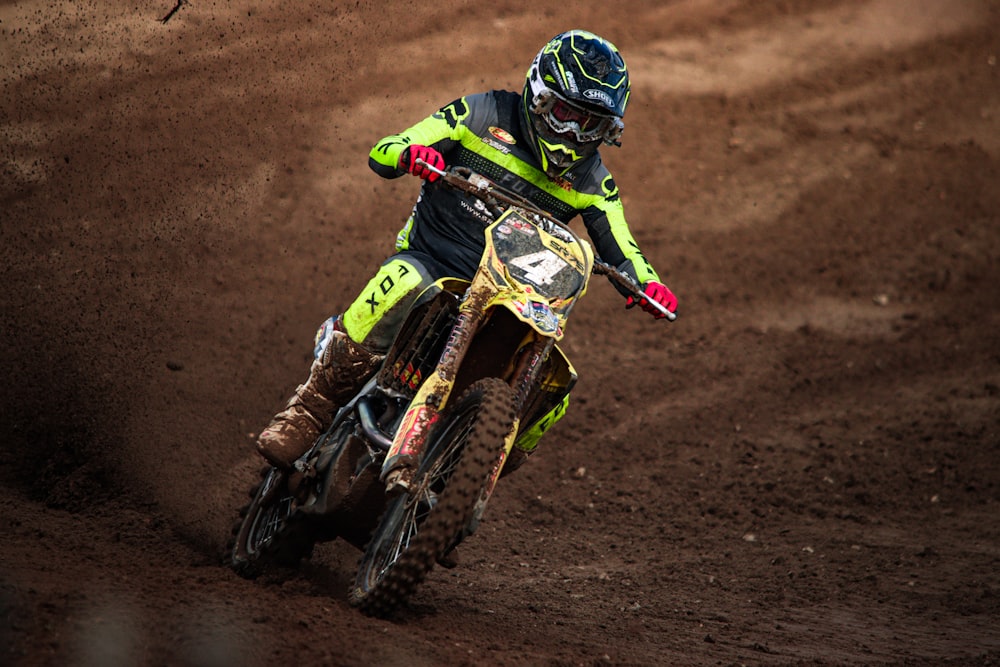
(422, 525)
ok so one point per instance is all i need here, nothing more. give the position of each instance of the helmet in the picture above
(574, 99)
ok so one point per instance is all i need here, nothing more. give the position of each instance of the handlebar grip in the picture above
(428, 167)
(624, 280)
(670, 315)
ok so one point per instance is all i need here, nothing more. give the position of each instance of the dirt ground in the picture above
(803, 469)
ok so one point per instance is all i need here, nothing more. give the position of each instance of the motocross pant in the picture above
(381, 308)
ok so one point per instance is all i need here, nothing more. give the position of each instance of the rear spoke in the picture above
(269, 524)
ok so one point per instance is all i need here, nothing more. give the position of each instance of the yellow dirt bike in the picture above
(473, 378)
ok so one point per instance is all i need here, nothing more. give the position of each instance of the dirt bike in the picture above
(405, 471)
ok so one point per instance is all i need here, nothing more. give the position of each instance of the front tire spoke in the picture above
(461, 454)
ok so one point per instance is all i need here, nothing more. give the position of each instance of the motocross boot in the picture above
(333, 379)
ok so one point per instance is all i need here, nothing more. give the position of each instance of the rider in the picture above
(542, 144)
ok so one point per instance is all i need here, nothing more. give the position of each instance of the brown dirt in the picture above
(802, 470)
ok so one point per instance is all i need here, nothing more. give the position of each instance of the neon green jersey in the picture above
(484, 133)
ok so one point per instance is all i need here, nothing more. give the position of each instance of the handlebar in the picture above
(498, 199)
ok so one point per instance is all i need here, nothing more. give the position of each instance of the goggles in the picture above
(568, 119)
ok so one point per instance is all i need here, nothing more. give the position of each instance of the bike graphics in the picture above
(472, 380)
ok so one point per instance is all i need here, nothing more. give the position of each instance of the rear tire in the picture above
(444, 502)
(269, 533)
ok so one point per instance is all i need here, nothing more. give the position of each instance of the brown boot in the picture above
(333, 379)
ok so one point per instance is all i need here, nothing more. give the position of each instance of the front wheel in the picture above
(445, 500)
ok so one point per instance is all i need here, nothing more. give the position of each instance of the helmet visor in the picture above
(572, 121)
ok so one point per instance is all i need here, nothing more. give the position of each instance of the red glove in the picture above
(657, 292)
(429, 155)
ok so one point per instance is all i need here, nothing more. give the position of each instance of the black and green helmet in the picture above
(574, 99)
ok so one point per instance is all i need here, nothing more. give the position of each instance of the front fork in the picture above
(425, 408)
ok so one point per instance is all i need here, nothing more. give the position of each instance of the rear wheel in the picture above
(268, 533)
(445, 500)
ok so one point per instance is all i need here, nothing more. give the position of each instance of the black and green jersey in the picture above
(484, 133)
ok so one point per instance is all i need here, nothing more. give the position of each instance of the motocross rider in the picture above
(542, 144)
